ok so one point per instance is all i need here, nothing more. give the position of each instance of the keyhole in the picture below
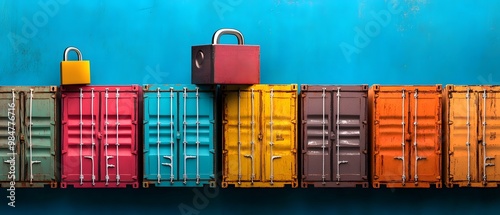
(200, 57)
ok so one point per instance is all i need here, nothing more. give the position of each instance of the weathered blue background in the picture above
(302, 41)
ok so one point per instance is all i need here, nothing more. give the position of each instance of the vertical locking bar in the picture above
(252, 133)
(338, 137)
(484, 137)
(402, 158)
(106, 143)
(81, 137)
(185, 137)
(184, 142)
(252, 143)
(158, 140)
(467, 96)
(239, 136)
(117, 138)
(197, 138)
(171, 157)
(415, 144)
(323, 146)
(92, 124)
(271, 143)
(31, 142)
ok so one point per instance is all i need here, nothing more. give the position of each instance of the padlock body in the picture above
(75, 72)
(225, 64)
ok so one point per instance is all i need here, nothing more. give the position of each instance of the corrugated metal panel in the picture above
(99, 146)
(35, 132)
(260, 136)
(334, 136)
(182, 148)
(472, 118)
(406, 135)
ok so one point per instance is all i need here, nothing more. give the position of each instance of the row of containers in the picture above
(249, 136)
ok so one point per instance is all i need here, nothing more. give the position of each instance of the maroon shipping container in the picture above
(334, 136)
(99, 139)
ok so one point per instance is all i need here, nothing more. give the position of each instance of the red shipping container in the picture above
(99, 139)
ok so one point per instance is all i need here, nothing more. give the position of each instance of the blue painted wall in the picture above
(302, 41)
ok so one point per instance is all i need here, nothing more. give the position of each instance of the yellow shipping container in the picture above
(259, 136)
(470, 136)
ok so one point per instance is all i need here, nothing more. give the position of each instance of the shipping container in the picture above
(259, 136)
(334, 136)
(99, 141)
(472, 149)
(406, 136)
(179, 141)
(28, 136)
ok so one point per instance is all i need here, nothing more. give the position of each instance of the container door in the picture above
(489, 147)
(463, 157)
(279, 118)
(9, 136)
(118, 158)
(349, 135)
(160, 140)
(425, 135)
(316, 113)
(80, 120)
(242, 129)
(391, 126)
(196, 151)
(39, 135)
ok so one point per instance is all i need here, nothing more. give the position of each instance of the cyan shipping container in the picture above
(28, 142)
(179, 135)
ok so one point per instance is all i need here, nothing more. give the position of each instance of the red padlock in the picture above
(225, 63)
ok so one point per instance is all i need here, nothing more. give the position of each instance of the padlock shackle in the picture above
(71, 48)
(220, 32)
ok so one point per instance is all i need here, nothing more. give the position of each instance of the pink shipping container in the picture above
(99, 141)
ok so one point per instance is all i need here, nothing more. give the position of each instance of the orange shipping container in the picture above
(406, 136)
(470, 141)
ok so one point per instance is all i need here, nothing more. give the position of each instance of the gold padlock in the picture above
(74, 72)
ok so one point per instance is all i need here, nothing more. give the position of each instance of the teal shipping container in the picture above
(179, 136)
(28, 142)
